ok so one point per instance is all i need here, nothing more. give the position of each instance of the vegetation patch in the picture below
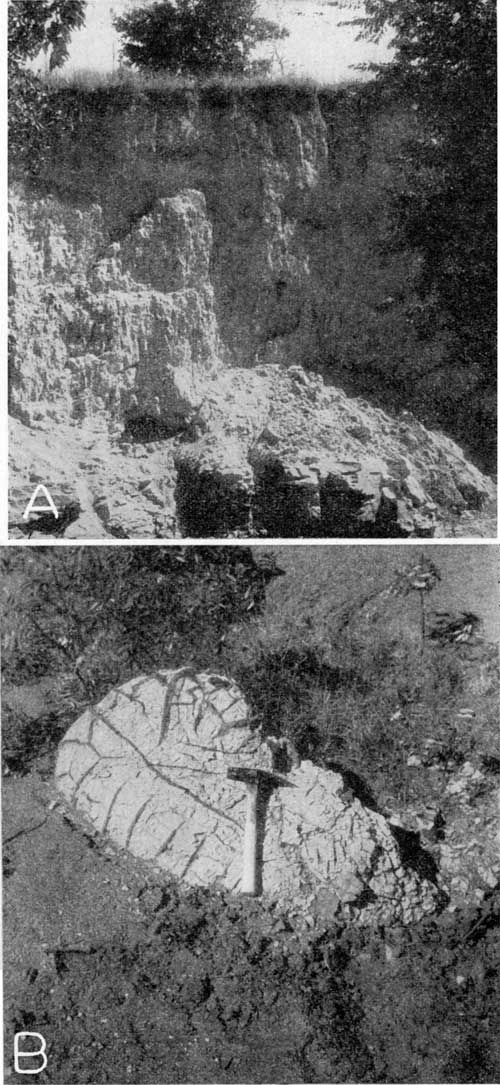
(93, 618)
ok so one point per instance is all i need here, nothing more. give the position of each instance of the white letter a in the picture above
(31, 507)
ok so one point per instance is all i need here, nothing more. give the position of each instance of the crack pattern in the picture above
(160, 749)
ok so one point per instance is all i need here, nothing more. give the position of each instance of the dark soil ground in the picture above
(84, 944)
(129, 981)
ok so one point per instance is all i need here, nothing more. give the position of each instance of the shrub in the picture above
(196, 36)
(48, 25)
(444, 66)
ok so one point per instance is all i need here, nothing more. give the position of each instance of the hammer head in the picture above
(258, 776)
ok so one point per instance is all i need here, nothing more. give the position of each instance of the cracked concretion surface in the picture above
(148, 767)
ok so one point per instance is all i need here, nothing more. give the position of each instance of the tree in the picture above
(196, 37)
(43, 24)
(444, 66)
(34, 25)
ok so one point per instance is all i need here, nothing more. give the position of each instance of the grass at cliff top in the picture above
(91, 79)
(125, 86)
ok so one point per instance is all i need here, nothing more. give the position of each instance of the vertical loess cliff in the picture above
(178, 240)
(262, 165)
(51, 247)
(268, 206)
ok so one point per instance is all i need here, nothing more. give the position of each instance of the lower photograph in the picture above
(251, 813)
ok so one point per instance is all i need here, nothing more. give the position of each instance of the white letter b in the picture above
(29, 1054)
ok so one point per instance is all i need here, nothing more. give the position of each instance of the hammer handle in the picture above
(249, 875)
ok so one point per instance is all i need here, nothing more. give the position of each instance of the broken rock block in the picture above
(316, 465)
(160, 766)
(323, 844)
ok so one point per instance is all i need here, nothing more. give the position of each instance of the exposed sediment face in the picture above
(127, 329)
(186, 312)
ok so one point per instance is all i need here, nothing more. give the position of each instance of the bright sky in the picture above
(317, 46)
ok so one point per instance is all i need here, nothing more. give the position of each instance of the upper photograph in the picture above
(252, 269)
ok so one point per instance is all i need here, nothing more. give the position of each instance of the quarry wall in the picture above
(179, 265)
(292, 185)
